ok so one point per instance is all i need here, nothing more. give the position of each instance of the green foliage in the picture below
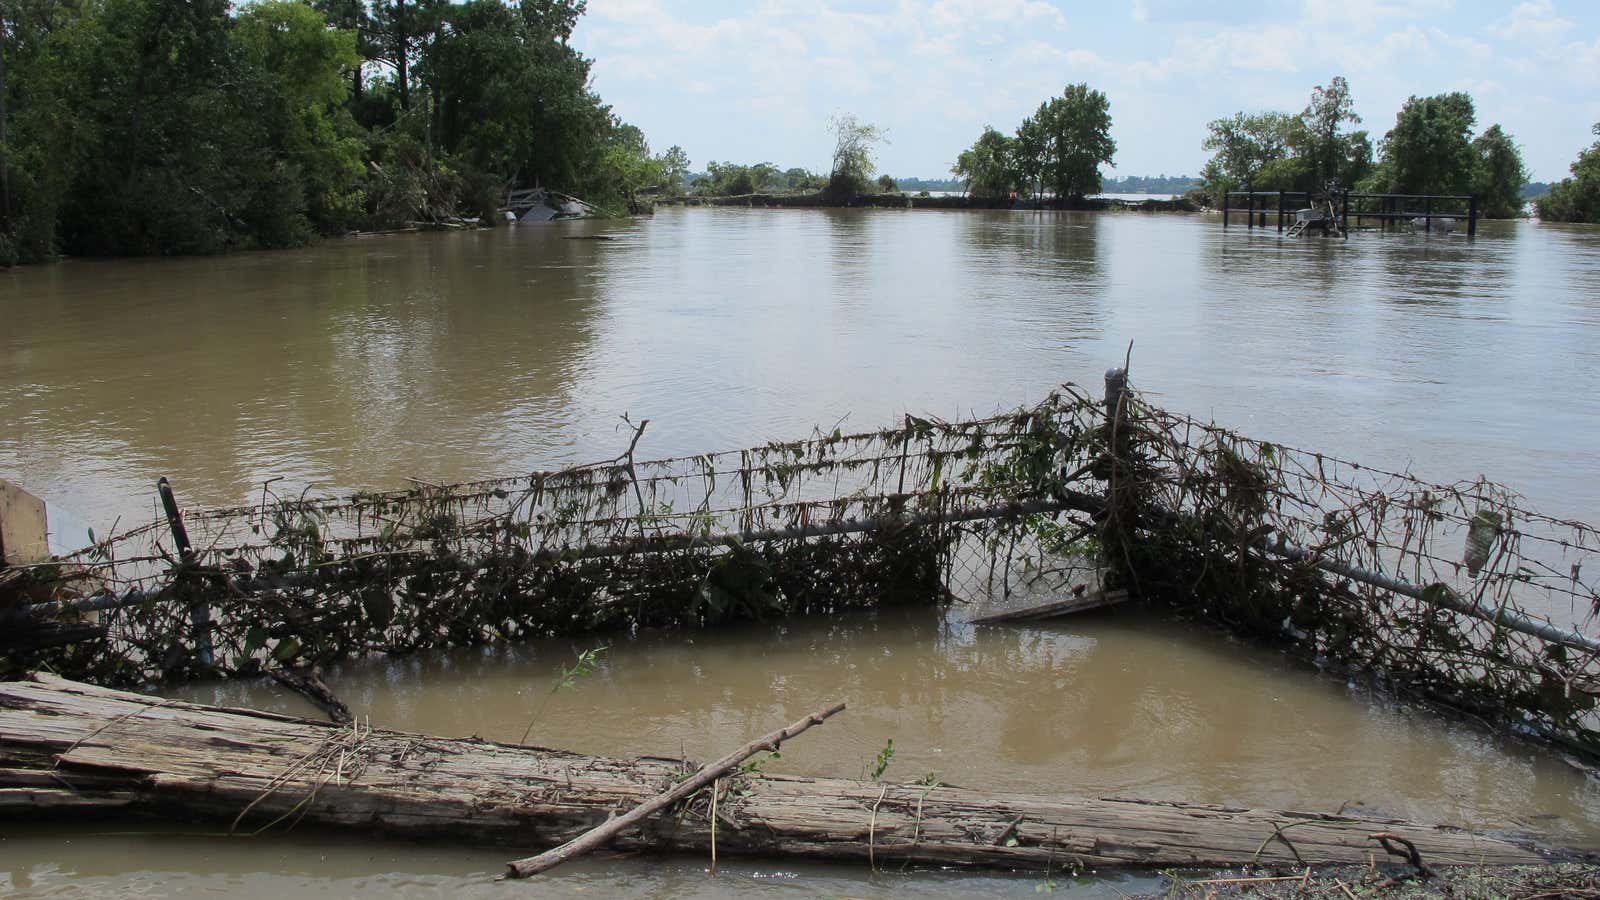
(675, 168)
(755, 764)
(1576, 199)
(887, 185)
(1500, 174)
(1328, 152)
(1074, 140)
(881, 764)
(1279, 151)
(1150, 184)
(1429, 150)
(988, 167)
(566, 680)
(732, 179)
(1059, 149)
(303, 65)
(1245, 146)
(153, 127)
(854, 160)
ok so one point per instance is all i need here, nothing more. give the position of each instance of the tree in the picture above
(1077, 140)
(153, 126)
(1330, 108)
(401, 29)
(1277, 151)
(1576, 199)
(1028, 154)
(302, 64)
(855, 144)
(798, 179)
(43, 127)
(887, 184)
(1244, 146)
(351, 16)
(675, 167)
(988, 167)
(1429, 150)
(1499, 174)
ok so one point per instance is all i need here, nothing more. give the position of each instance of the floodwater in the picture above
(358, 363)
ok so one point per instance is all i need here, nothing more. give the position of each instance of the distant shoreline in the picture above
(1153, 203)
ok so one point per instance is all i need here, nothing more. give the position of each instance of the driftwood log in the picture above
(68, 749)
(606, 832)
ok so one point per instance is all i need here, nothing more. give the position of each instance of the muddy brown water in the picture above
(357, 363)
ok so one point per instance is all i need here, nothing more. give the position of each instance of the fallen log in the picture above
(599, 835)
(69, 749)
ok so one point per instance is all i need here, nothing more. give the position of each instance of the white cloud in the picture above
(959, 13)
(758, 81)
(1366, 14)
(1532, 21)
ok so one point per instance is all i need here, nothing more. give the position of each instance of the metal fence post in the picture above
(199, 612)
(1115, 527)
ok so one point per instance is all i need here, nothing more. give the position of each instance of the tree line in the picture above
(1430, 150)
(1056, 152)
(159, 127)
(1576, 199)
(850, 176)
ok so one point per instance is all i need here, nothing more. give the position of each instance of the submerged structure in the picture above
(1453, 593)
(1335, 211)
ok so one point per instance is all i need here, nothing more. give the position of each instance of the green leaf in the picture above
(286, 650)
(1437, 594)
(254, 639)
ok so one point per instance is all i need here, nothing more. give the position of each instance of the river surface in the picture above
(360, 362)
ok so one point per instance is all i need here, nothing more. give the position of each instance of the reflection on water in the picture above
(1112, 705)
(56, 862)
(357, 363)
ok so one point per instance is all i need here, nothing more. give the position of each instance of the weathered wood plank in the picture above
(68, 748)
(24, 526)
(1077, 603)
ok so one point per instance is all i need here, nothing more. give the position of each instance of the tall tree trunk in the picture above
(402, 46)
(5, 140)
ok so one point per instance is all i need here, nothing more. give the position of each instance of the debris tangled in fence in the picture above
(1454, 591)
(833, 522)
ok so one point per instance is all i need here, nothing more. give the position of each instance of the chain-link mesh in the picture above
(916, 513)
(1457, 591)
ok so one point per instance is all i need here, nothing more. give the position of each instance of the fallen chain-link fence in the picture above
(915, 513)
(1454, 591)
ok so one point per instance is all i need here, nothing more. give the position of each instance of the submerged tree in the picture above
(1275, 151)
(675, 167)
(149, 126)
(1500, 174)
(1429, 150)
(1077, 140)
(988, 167)
(1576, 199)
(854, 149)
(1332, 154)
(1246, 145)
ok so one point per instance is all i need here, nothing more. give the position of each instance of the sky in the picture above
(758, 82)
